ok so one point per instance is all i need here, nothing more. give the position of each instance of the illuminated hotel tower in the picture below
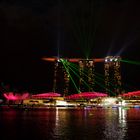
(86, 73)
(61, 78)
(112, 75)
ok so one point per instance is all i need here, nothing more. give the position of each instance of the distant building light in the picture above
(58, 60)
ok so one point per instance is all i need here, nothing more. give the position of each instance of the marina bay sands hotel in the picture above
(85, 74)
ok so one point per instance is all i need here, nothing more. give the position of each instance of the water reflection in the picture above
(60, 123)
(116, 125)
(71, 124)
(122, 118)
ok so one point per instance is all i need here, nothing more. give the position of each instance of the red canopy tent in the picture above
(46, 95)
(130, 94)
(86, 95)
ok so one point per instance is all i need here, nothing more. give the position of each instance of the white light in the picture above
(58, 60)
(106, 60)
(109, 101)
(63, 103)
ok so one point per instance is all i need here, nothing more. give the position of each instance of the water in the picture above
(71, 124)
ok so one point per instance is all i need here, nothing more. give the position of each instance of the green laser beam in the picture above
(63, 62)
(130, 62)
(79, 77)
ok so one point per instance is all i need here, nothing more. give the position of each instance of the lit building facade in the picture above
(112, 70)
(86, 75)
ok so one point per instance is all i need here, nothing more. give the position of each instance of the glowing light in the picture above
(106, 60)
(109, 101)
(61, 103)
(17, 96)
(58, 60)
(131, 62)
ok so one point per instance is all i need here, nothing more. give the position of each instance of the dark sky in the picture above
(30, 30)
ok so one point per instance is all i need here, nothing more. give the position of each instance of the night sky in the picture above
(30, 30)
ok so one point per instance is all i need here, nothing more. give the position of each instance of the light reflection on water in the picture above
(116, 125)
(71, 124)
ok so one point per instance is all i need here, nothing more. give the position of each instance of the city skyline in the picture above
(72, 29)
